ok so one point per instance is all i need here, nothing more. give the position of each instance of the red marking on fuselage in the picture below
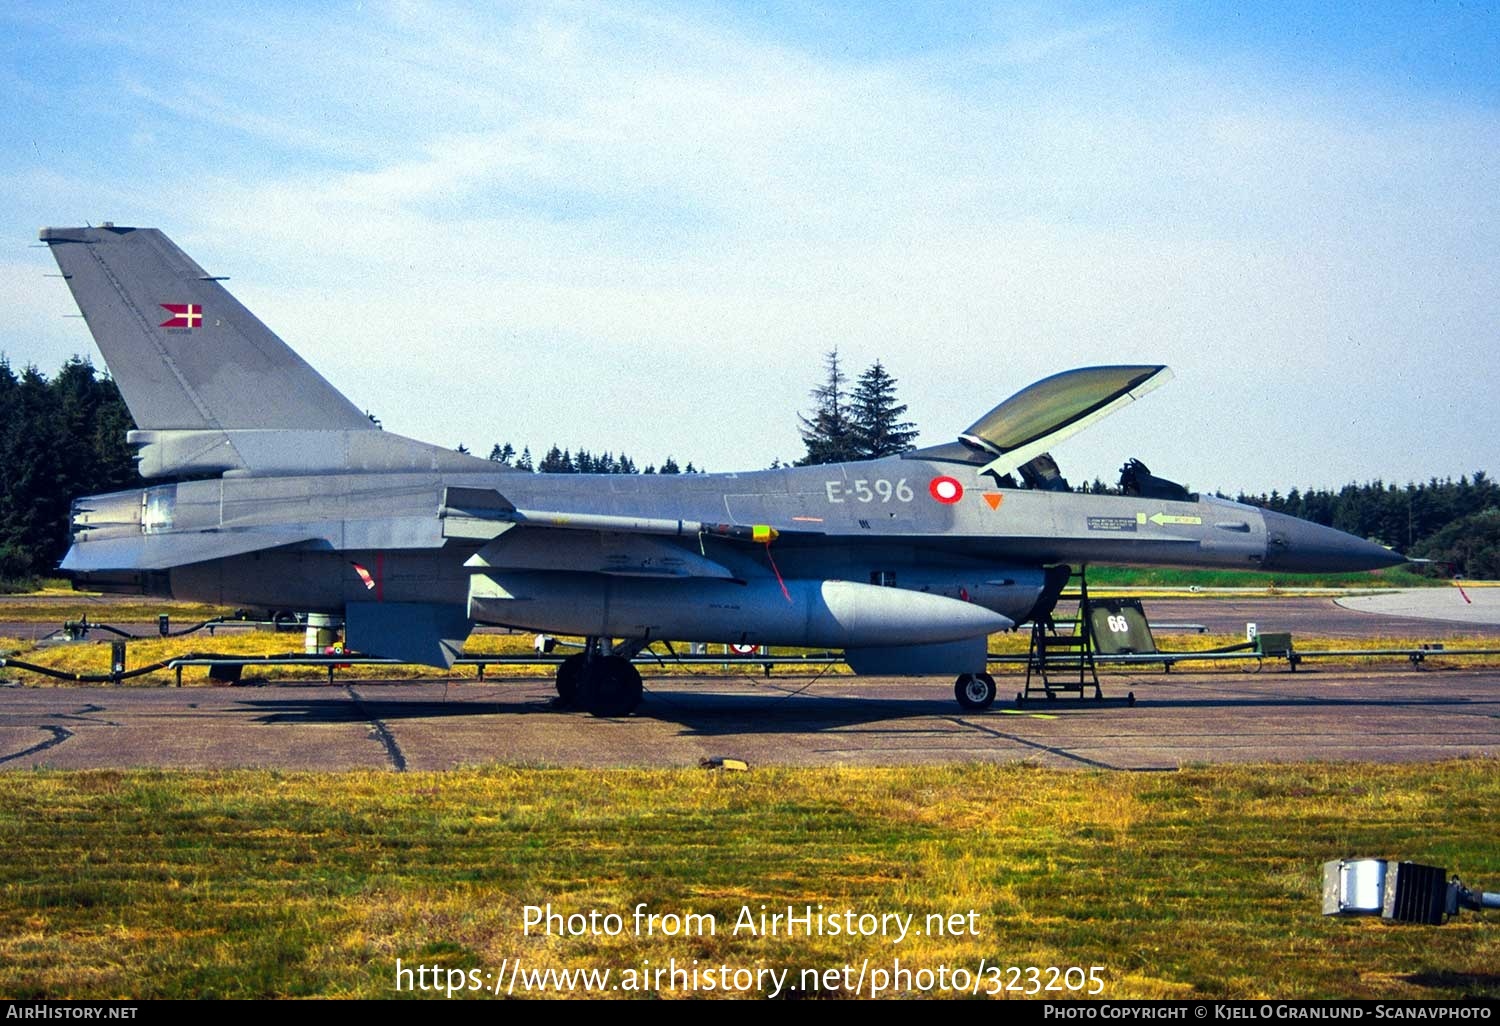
(946, 490)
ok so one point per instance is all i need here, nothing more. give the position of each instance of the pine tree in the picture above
(58, 440)
(670, 467)
(557, 461)
(116, 456)
(875, 416)
(524, 463)
(828, 433)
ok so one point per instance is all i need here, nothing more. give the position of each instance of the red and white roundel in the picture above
(742, 649)
(946, 490)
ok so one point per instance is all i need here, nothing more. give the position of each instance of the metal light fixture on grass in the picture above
(1403, 892)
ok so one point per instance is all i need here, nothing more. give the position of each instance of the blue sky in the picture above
(641, 226)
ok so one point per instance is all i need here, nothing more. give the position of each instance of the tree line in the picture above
(59, 439)
(564, 461)
(1456, 524)
(64, 437)
(849, 421)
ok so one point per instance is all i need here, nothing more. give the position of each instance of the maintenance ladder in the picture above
(1066, 656)
(1109, 628)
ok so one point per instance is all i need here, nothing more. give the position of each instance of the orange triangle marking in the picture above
(994, 499)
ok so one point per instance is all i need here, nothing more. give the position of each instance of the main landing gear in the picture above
(600, 679)
(975, 691)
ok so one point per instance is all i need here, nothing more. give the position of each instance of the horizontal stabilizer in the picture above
(425, 633)
(165, 551)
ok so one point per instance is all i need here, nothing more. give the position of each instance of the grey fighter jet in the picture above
(298, 501)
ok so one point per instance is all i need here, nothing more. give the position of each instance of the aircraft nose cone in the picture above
(1303, 547)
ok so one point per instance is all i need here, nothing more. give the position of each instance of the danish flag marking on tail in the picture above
(184, 315)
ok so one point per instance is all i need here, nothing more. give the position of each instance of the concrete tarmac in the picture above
(1386, 712)
(1476, 608)
(1417, 614)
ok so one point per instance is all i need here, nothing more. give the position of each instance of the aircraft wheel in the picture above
(974, 691)
(613, 688)
(1130, 698)
(569, 675)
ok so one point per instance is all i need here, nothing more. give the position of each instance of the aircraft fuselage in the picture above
(882, 522)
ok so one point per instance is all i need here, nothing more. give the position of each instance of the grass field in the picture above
(1116, 577)
(55, 608)
(1198, 883)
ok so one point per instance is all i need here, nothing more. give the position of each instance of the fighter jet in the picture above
(297, 500)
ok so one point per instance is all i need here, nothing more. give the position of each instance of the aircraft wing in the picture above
(600, 552)
(519, 539)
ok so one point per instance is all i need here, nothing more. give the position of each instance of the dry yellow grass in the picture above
(92, 657)
(1199, 883)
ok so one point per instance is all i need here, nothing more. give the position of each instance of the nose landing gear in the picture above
(975, 691)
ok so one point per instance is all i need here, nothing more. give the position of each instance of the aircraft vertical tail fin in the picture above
(185, 353)
(211, 388)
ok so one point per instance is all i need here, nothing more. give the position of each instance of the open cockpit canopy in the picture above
(1013, 438)
(1056, 407)
(1039, 416)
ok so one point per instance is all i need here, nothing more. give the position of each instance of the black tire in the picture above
(569, 676)
(612, 688)
(975, 691)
